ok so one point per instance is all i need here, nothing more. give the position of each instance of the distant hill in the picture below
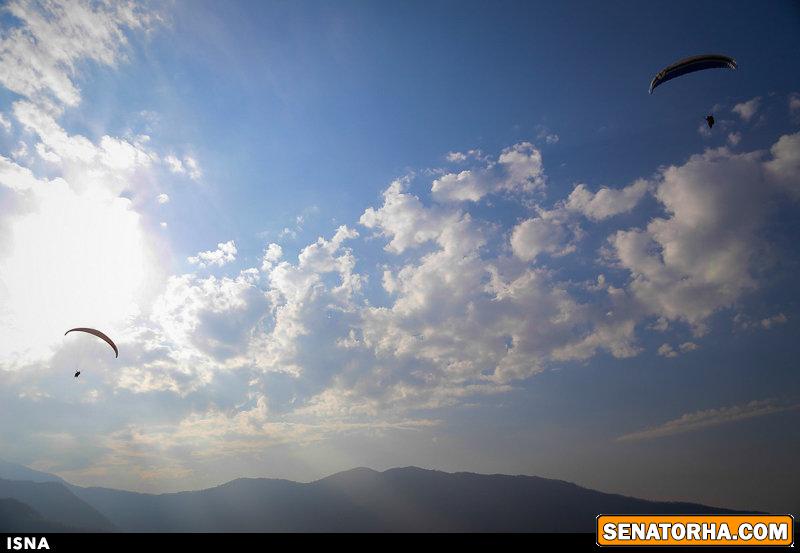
(363, 500)
(56, 503)
(359, 500)
(15, 516)
(14, 471)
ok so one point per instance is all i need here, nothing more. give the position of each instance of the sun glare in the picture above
(76, 261)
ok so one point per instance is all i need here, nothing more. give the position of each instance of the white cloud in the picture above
(40, 56)
(686, 347)
(70, 246)
(746, 323)
(699, 420)
(460, 157)
(734, 138)
(210, 316)
(606, 202)
(547, 233)
(21, 152)
(192, 167)
(224, 254)
(667, 350)
(447, 329)
(777, 319)
(188, 166)
(522, 166)
(544, 134)
(174, 164)
(110, 164)
(162, 199)
(272, 253)
(5, 123)
(463, 186)
(794, 102)
(517, 169)
(784, 167)
(404, 219)
(697, 259)
(746, 110)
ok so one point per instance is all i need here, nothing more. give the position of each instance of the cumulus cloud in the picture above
(461, 319)
(606, 202)
(272, 253)
(224, 254)
(699, 257)
(212, 315)
(162, 199)
(784, 167)
(517, 169)
(747, 110)
(459, 332)
(547, 233)
(404, 219)
(699, 420)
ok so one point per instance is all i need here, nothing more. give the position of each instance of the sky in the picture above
(456, 235)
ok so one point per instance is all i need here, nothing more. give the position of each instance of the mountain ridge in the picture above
(401, 499)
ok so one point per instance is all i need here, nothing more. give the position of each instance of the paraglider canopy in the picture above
(99, 334)
(690, 65)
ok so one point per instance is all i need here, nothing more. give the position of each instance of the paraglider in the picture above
(95, 332)
(99, 334)
(710, 121)
(690, 65)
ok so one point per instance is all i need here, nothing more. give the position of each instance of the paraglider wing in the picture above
(99, 334)
(690, 65)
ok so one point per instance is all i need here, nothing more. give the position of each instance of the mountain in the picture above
(17, 517)
(358, 500)
(362, 500)
(56, 503)
(14, 471)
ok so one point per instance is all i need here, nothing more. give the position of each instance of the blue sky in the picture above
(459, 235)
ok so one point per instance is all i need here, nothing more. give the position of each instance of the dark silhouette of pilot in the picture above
(710, 121)
(77, 374)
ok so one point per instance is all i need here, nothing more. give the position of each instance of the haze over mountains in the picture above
(360, 500)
